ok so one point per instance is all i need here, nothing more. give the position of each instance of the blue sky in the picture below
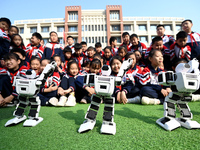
(42, 9)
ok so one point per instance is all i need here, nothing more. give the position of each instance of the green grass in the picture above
(136, 129)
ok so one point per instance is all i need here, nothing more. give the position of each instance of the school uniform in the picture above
(34, 51)
(4, 43)
(168, 40)
(194, 43)
(52, 49)
(177, 52)
(127, 46)
(78, 59)
(114, 51)
(141, 47)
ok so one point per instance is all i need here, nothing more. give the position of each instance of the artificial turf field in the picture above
(136, 129)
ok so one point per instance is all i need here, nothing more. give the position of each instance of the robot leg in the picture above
(90, 116)
(108, 126)
(19, 112)
(168, 122)
(186, 116)
(33, 113)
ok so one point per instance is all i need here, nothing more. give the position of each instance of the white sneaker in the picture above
(62, 101)
(150, 101)
(195, 97)
(53, 101)
(71, 101)
(134, 100)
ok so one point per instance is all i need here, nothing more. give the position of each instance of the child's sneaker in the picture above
(134, 100)
(150, 101)
(62, 101)
(84, 100)
(71, 101)
(53, 101)
(195, 97)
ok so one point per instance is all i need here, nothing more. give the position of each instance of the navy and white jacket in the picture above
(149, 77)
(68, 82)
(34, 51)
(194, 42)
(52, 49)
(168, 40)
(141, 47)
(4, 43)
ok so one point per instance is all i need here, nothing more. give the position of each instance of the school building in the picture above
(97, 26)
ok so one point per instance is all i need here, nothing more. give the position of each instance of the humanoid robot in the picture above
(183, 83)
(104, 87)
(28, 88)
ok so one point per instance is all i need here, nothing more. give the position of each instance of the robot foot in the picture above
(189, 124)
(168, 123)
(15, 120)
(32, 122)
(108, 128)
(87, 125)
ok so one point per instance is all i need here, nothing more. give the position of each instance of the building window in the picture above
(60, 28)
(82, 27)
(75, 40)
(95, 27)
(115, 28)
(45, 29)
(105, 27)
(21, 30)
(153, 37)
(33, 29)
(106, 40)
(95, 39)
(178, 27)
(127, 27)
(92, 39)
(86, 39)
(83, 39)
(46, 40)
(142, 27)
(143, 39)
(88, 27)
(85, 27)
(168, 27)
(114, 15)
(101, 27)
(72, 28)
(60, 40)
(118, 39)
(73, 15)
(153, 27)
(99, 39)
(89, 40)
(98, 27)
(102, 39)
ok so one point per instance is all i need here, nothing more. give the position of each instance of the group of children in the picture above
(66, 85)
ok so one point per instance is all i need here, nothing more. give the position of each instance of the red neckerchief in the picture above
(192, 38)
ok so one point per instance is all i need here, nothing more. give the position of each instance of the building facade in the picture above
(97, 26)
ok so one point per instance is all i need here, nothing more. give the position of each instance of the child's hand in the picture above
(90, 90)
(2, 103)
(123, 97)
(59, 69)
(164, 92)
(67, 91)
(168, 90)
(53, 88)
(119, 97)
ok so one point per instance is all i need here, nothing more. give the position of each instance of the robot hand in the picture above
(125, 66)
(166, 78)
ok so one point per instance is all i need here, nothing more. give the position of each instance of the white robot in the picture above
(183, 83)
(104, 87)
(28, 88)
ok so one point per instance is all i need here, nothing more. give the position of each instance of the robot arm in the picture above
(124, 68)
(89, 80)
(48, 70)
(166, 78)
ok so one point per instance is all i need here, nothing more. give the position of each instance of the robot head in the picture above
(182, 67)
(30, 74)
(190, 67)
(106, 70)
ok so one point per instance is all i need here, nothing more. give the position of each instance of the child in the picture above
(139, 59)
(48, 92)
(97, 56)
(13, 68)
(122, 51)
(68, 55)
(152, 92)
(84, 47)
(130, 91)
(4, 38)
(90, 54)
(53, 48)
(86, 67)
(35, 65)
(78, 55)
(67, 85)
(17, 42)
(193, 38)
(115, 65)
(107, 55)
(137, 45)
(84, 92)
(168, 40)
(70, 41)
(126, 41)
(157, 43)
(34, 48)
(22, 55)
(59, 67)
(113, 44)
(98, 48)
(179, 49)
(13, 30)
